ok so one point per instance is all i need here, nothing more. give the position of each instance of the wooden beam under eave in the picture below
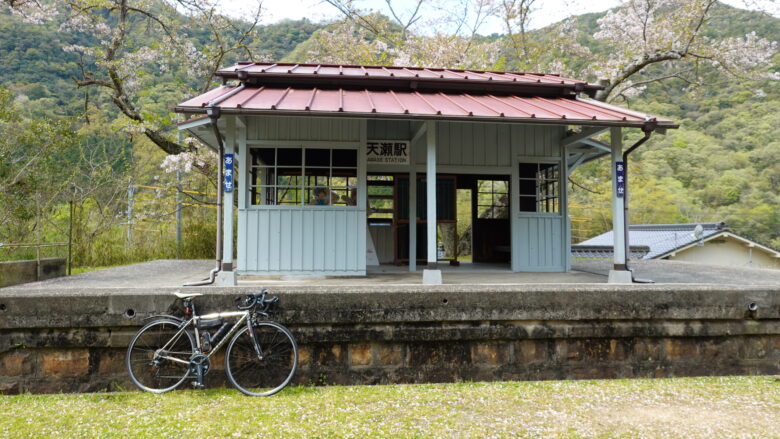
(582, 135)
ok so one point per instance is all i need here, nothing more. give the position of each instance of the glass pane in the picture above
(345, 158)
(319, 196)
(288, 177)
(318, 157)
(263, 156)
(262, 176)
(289, 156)
(341, 197)
(288, 195)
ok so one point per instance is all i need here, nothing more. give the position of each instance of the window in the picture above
(540, 187)
(303, 176)
(380, 196)
(492, 199)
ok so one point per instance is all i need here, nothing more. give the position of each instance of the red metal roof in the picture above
(413, 104)
(385, 72)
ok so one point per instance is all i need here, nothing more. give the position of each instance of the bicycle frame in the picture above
(193, 321)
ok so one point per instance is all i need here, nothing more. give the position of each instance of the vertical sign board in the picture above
(387, 152)
(228, 182)
(620, 179)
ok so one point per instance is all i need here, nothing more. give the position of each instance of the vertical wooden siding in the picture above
(383, 129)
(305, 240)
(271, 128)
(491, 144)
(538, 244)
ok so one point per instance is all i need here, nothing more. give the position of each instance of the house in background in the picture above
(716, 245)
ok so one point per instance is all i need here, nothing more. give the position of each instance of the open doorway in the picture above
(486, 231)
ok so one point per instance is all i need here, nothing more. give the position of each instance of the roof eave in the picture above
(366, 115)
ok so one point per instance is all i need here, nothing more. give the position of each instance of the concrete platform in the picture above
(483, 324)
(173, 273)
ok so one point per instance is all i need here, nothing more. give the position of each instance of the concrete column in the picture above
(227, 276)
(619, 273)
(431, 275)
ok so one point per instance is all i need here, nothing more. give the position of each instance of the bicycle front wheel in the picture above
(264, 368)
(154, 369)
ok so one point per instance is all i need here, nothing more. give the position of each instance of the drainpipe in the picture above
(213, 111)
(648, 129)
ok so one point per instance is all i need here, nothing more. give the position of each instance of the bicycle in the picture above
(260, 360)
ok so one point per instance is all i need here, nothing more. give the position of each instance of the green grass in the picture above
(731, 407)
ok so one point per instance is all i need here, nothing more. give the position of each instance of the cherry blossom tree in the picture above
(670, 35)
(136, 42)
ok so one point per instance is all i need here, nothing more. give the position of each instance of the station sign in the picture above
(387, 152)
(620, 179)
(228, 180)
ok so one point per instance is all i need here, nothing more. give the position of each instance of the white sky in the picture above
(547, 11)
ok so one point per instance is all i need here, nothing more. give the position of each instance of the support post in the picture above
(619, 272)
(412, 216)
(432, 275)
(227, 277)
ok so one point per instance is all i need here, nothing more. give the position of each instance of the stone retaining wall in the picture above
(75, 341)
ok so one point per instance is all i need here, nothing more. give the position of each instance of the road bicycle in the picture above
(260, 360)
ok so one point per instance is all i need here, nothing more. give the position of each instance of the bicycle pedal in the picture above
(198, 385)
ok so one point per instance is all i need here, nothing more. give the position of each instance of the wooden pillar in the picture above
(227, 276)
(619, 273)
(431, 275)
(412, 215)
(430, 193)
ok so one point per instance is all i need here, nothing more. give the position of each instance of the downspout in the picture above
(648, 129)
(213, 111)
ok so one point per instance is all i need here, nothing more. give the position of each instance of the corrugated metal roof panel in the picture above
(416, 104)
(352, 71)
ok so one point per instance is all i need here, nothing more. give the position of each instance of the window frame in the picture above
(557, 196)
(252, 189)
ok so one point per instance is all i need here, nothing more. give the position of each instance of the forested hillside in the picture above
(73, 144)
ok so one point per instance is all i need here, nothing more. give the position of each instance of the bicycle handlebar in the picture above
(252, 300)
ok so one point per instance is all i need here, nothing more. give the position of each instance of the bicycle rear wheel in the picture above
(261, 376)
(151, 368)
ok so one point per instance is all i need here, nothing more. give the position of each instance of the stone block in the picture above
(492, 354)
(329, 355)
(389, 355)
(65, 363)
(111, 362)
(647, 350)
(680, 349)
(754, 348)
(569, 350)
(530, 351)
(15, 363)
(360, 355)
(304, 357)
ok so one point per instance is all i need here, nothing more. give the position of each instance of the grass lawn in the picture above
(731, 407)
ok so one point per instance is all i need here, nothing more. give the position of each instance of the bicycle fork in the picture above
(255, 343)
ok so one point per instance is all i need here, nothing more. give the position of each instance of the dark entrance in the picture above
(490, 227)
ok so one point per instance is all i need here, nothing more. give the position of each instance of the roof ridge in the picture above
(270, 63)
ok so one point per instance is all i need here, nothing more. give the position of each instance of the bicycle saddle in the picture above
(181, 295)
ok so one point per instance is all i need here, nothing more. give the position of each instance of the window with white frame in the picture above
(540, 187)
(303, 177)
